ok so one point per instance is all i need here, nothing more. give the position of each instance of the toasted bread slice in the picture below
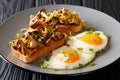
(37, 52)
(62, 19)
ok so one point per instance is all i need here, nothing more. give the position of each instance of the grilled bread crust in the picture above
(38, 51)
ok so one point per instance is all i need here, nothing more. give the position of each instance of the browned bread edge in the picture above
(40, 51)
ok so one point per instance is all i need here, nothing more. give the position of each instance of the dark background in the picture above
(10, 7)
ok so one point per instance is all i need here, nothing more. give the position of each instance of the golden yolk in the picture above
(92, 39)
(71, 55)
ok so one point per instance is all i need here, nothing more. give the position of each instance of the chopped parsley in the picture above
(47, 57)
(68, 54)
(78, 66)
(84, 27)
(91, 31)
(91, 49)
(51, 30)
(105, 34)
(39, 40)
(68, 38)
(92, 64)
(97, 33)
(17, 35)
(47, 29)
(68, 34)
(43, 65)
(80, 48)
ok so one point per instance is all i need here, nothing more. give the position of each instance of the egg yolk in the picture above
(70, 56)
(91, 39)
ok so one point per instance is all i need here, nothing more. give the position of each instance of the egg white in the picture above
(85, 58)
(76, 43)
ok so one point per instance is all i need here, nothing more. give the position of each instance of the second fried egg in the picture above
(89, 41)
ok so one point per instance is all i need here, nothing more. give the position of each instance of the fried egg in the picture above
(89, 41)
(68, 58)
(80, 50)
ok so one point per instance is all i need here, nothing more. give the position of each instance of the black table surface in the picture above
(11, 7)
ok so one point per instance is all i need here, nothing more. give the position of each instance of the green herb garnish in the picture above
(43, 65)
(68, 39)
(17, 35)
(91, 49)
(92, 64)
(67, 54)
(39, 40)
(68, 35)
(80, 48)
(62, 51)
(84, 27)
(47, 57)
(91, 31)
(46, 29)
(105, 34)
(51, 30)
(97, 33)
(78, 66)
